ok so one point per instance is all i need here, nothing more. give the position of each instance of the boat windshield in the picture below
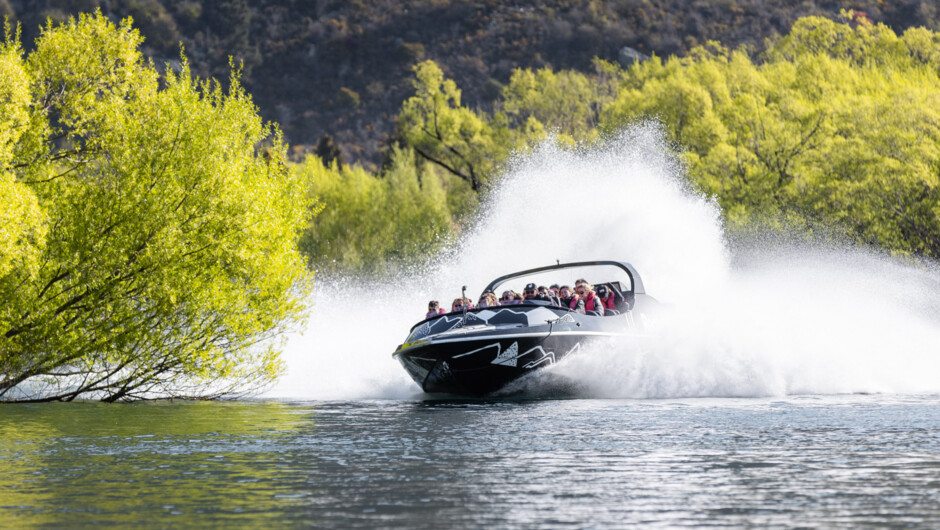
(594, 273)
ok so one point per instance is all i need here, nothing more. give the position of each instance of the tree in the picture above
(443, 132)
(170, 263)
(371, 222)
(22, 224)
(566, 102)
(836, 123)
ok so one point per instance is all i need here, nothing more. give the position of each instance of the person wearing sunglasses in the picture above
(434, 309)
(592, 303)
(459, 304)
(488, 300)
(508, 298)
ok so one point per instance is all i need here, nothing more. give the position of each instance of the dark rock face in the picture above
(344, 68)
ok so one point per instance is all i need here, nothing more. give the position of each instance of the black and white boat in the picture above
(479, 351)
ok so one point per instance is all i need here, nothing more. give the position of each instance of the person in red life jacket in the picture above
(570, 300)
(434, 309)
(608, 296)
(592, 302)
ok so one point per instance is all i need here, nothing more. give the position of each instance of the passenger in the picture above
(488, 299)
(591, 301)
(570, 300)
(518, 298)
(530, 291)
(507, 298)
(434, 309)
(459, 304)
(548, 295)
(609, 296)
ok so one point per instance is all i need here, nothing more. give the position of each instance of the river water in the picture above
(795, 385)
(811, 461)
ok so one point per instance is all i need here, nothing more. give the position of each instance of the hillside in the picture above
(344, 68)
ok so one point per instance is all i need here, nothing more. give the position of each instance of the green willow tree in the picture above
(835, 123)
(440, 130)
(369, 223)
(22, 224)
(165, 240)
(567, 103)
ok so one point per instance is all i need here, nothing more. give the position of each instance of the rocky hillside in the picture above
(343, 68)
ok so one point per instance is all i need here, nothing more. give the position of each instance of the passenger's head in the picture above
(578, 282)
(602, 291)
(530, 290)
(517, 296)
(565, 291)
(584, 288)
(433, 305)
(488, 299)
(457, 305)
(553, 288)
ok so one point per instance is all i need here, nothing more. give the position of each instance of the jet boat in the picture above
(480, 351)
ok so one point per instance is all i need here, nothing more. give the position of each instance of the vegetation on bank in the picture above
(154, 234)
(834, 124)
(151, 247)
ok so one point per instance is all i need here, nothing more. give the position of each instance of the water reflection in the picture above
(851, 461)
(160, 463)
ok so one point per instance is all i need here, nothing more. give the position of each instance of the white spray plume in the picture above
(774, 319)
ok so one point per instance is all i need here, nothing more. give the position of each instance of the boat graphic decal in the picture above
(509, 357)
(548, 357)
(490, 317)
(488, 346)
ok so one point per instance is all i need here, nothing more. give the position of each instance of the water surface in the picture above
(802, 461)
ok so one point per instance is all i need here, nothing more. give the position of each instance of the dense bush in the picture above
(152, 249)
(834, 124)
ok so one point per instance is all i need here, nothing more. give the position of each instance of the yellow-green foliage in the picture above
(566, 102)
(835, 123)
(171, 246)
(22, 224)
(442, 131)
(368, 221)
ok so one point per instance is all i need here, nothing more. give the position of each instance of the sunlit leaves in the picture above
(370, 222)
(442, 131)
(835, 123)
(171, 254)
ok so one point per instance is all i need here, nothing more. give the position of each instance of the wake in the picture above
(767, 318)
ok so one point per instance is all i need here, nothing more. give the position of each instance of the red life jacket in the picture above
(591, 304)
(609, 302)
(573, 304)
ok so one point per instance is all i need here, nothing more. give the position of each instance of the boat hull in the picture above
(485, 350)
(484, 365)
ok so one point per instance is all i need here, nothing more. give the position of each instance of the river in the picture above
(811, 461)
(795, 385)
